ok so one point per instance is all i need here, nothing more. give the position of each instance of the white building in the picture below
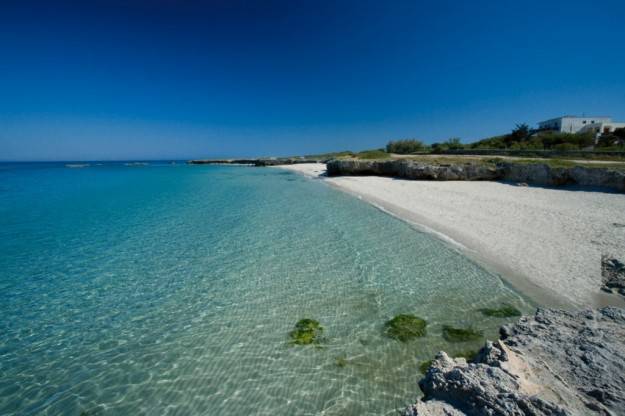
(602, 128)
(571, 124)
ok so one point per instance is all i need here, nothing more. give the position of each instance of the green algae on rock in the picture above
(423, 367)
(468, 355)
(452, 334)
(405, 327)
(505, 311)
(307, 331)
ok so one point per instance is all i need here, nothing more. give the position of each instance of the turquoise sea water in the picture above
(171, 289)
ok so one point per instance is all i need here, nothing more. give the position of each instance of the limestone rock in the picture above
(521, 173)
(613, 274)
(552, 363)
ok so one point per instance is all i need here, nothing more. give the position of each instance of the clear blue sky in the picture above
(179, 79)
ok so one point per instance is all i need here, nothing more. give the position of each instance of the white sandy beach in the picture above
(545, 242)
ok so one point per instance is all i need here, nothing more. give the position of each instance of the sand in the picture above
(545, 242)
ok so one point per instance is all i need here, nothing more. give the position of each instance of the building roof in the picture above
(570, 116)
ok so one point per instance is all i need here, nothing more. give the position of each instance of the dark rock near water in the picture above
(613, 274)
(552, 363)
(521, 173)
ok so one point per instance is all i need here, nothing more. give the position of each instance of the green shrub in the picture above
(565, 146)
(404, 147)
(551, 140)
(405, 327)
(452, 334)
(373, 154)
(496, 142)
(523, 138)
(307, 331)
(614, 139)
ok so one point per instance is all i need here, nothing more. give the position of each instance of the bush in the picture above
(404, 147)
(519, 134)
(496, 142)
(565, 146)
(551, 139)
(616, 138)
(522, 138)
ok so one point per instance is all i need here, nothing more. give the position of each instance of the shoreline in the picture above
(485, 240)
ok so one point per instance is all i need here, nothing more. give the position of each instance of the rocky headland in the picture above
(254, 162)
(552, 363)
(531, 173)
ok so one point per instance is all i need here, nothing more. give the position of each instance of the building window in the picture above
(584, 122)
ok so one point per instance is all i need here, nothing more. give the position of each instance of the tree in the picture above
(519, 134)
(404, 147)
(453, 144)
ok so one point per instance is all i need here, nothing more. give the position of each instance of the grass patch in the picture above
(332, 155)
(451, 160)
(373, 154)
(307, 331)
(405, 327)
(564, 163)
(505, 311)
(452, 334)
(492, 161)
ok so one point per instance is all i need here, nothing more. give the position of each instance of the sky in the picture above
(104, 80)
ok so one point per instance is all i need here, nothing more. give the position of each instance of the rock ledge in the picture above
(552, 363)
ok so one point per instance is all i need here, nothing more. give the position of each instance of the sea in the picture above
(161, 288)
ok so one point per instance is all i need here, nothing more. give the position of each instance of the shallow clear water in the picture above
(171, 289)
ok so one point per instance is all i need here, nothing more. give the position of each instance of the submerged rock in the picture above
(505, 311)
(452, 334)
(307, 331)
(405, 327)
(552, 363)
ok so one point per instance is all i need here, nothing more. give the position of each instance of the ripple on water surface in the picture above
(173, 290)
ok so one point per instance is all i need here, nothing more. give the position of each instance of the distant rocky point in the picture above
(552, 363)
(521, 173)
(254, 162)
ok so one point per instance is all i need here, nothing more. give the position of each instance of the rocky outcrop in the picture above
(532, 173)
(410, 169)
(613, 274)
(542, 174)
(552, 363)
(253, 162)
